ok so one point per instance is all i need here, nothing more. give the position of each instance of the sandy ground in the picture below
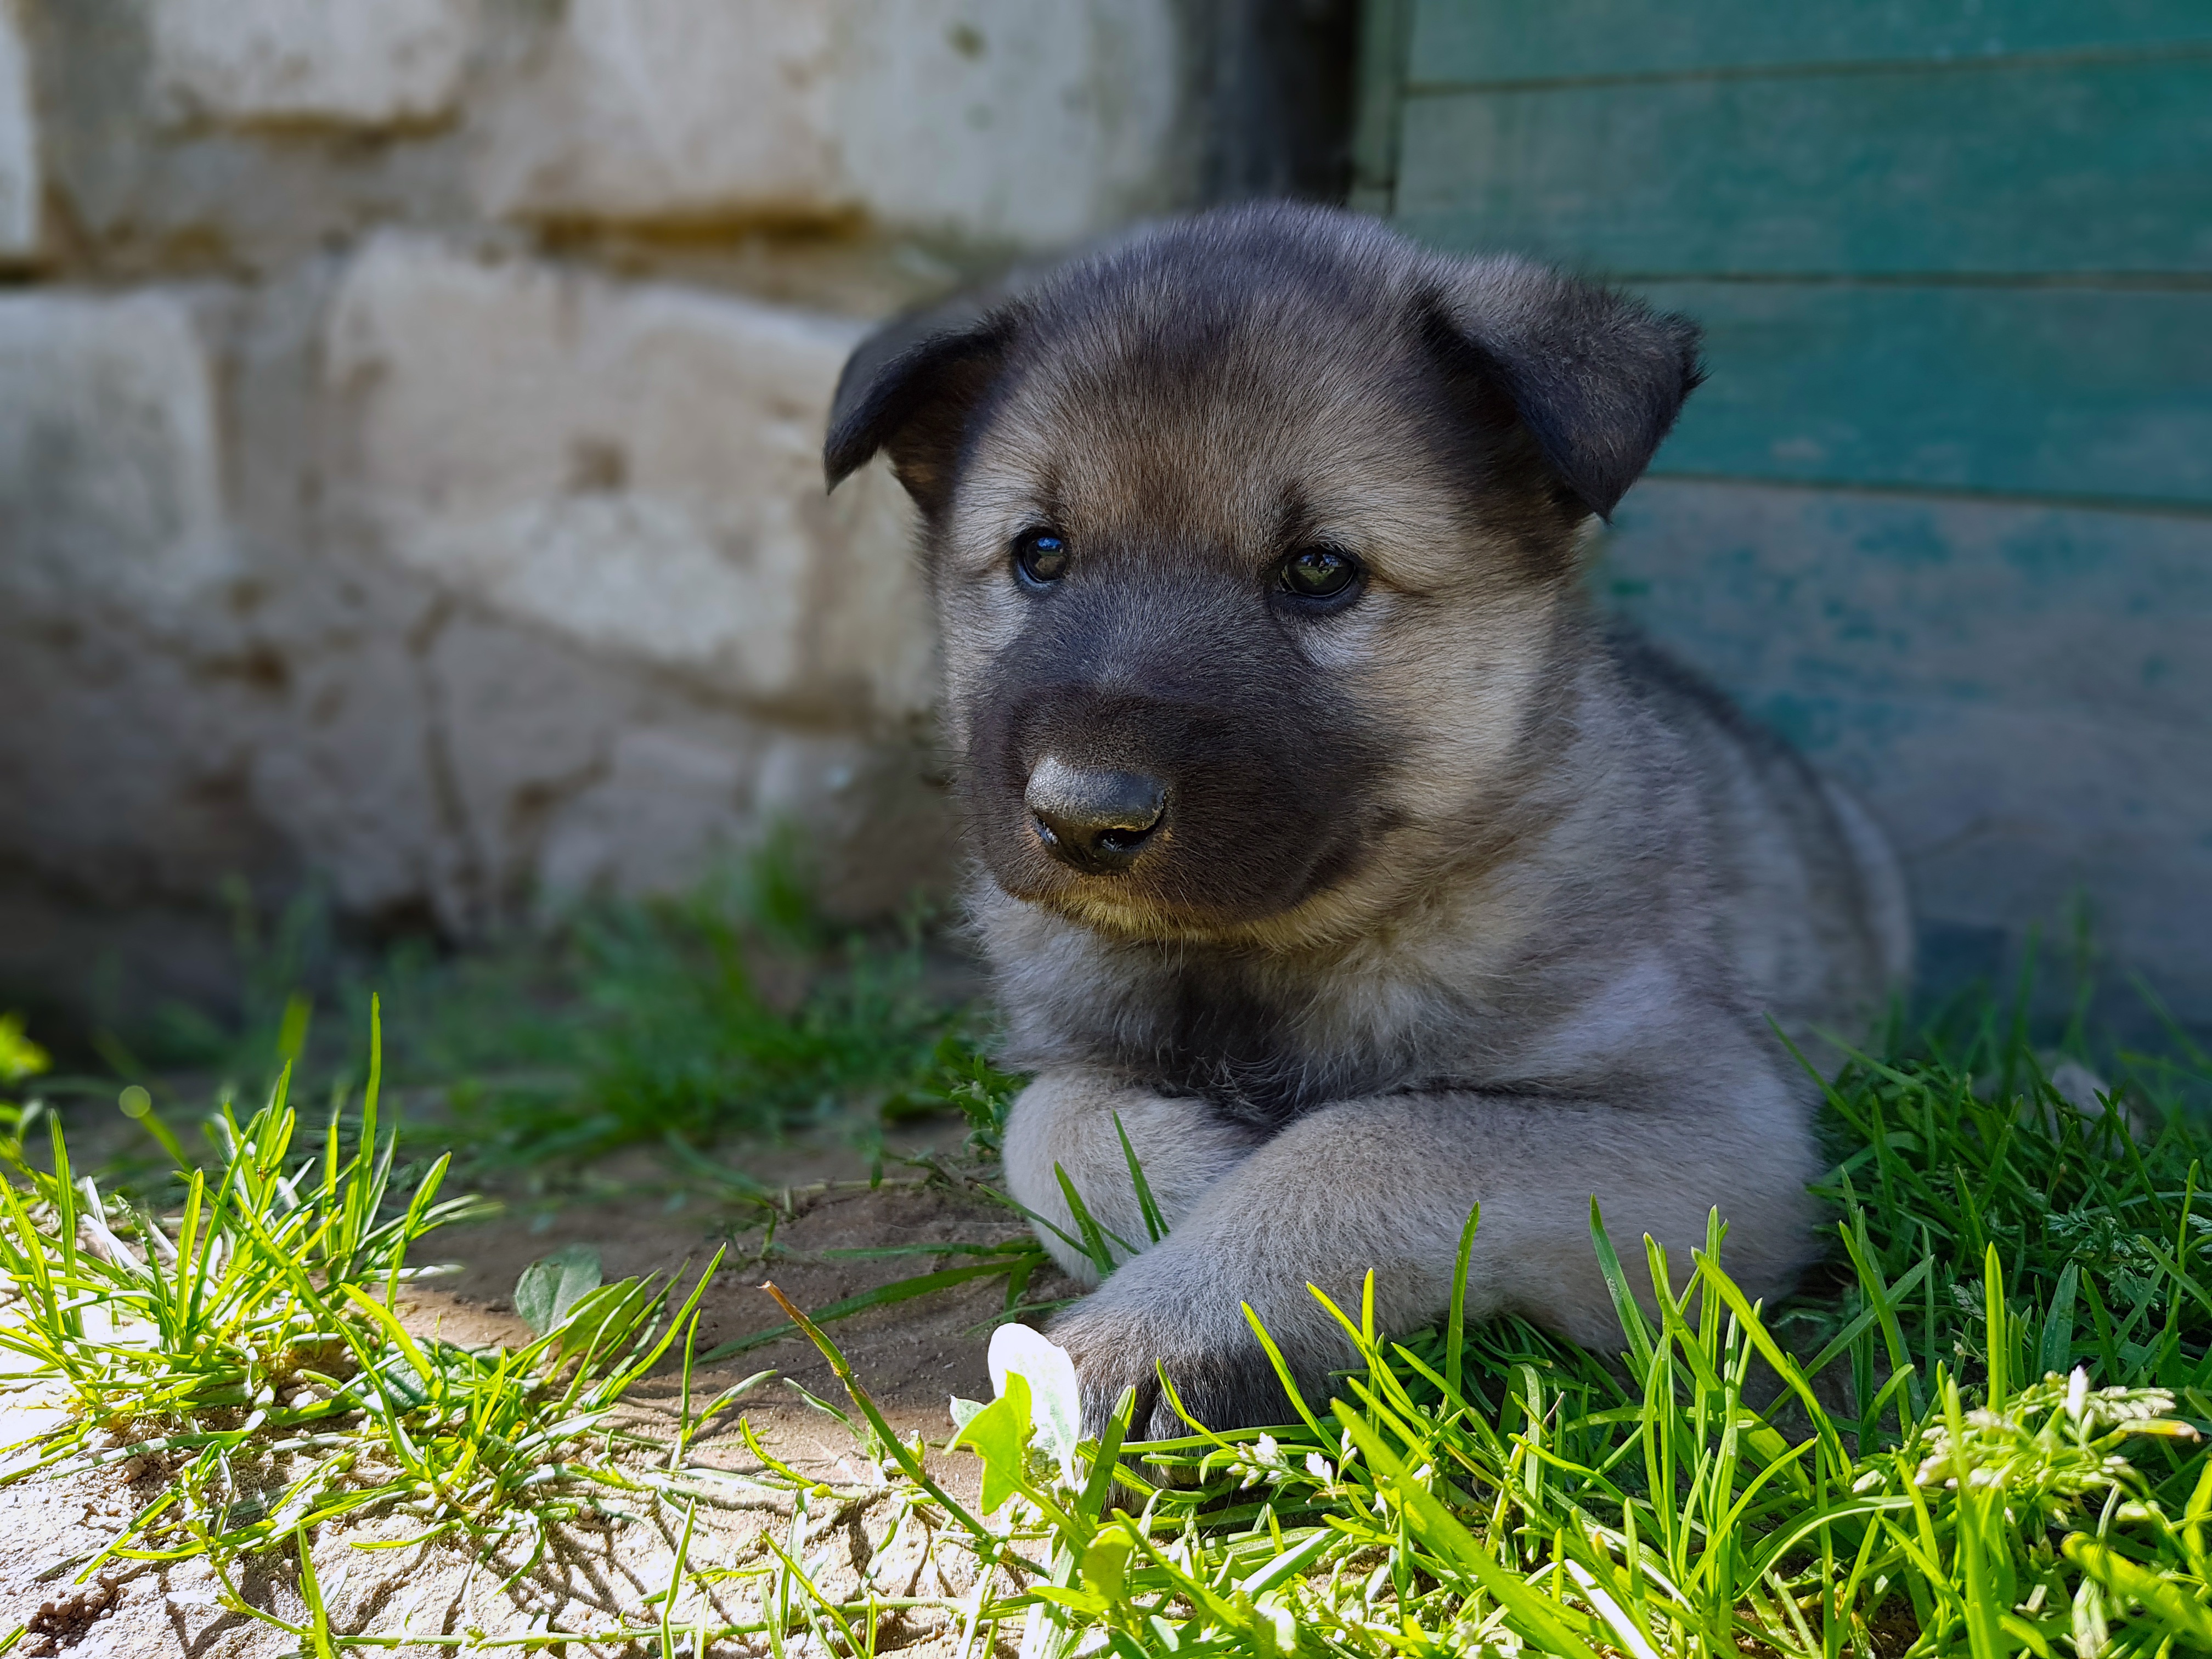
(912, 1356)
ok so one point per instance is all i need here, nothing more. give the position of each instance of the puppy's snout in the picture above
(1096, 820)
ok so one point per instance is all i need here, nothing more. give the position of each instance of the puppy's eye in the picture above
(1040, 557)
(1320, 572)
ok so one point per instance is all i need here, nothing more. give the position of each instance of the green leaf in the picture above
(553, 1284)
(1291, 1564)
(1094, 1235)
(2057, 1353)
(1048, 1375)
(1106, 1564)
(605, 1319)
(1156, 1224)
(20, 1057)
(1000, 1435)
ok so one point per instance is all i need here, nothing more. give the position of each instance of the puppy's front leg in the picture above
(1066, 1118)
(1386, 1184)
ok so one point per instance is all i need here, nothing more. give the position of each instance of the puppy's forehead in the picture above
(1209, 403)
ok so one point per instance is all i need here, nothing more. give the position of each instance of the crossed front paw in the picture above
(1220, 1373)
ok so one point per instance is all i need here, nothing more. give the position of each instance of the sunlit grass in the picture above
(1975, 1432)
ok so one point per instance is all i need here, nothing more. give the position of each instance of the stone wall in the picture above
(409, 413)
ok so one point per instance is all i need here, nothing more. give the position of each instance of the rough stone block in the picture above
(110, 483)
(359, 63)
(668, 804)
(676, 797)
(995, 120)
(633, 468)
(18, 140)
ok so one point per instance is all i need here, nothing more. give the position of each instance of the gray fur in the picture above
(1458, 895)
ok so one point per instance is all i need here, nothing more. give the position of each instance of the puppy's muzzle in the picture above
(1095, 820)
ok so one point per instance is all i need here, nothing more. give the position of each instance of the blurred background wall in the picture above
(410, 413)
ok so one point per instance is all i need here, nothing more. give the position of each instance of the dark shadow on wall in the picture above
(1276, 77)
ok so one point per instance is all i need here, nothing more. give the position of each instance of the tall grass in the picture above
(1975, 1432)
(256, 1327)
(1978, 1433)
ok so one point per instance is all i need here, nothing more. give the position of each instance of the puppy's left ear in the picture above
(1597, 377)
(911, 393)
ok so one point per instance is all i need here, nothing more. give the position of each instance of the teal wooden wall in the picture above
(1944, 513)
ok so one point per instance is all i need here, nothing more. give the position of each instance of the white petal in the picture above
(1055, 1406)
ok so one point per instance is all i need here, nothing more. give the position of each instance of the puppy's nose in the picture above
(1094, 820)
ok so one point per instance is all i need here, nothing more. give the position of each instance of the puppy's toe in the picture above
(1222, 1375)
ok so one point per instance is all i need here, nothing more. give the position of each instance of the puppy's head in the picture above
(1250, 541)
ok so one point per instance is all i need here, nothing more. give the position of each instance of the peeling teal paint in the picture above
(1942, 514)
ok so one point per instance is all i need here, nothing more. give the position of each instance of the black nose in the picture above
(1094, 820)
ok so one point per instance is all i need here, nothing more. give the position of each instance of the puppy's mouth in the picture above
(1123, 854)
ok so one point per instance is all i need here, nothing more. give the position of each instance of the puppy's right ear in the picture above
(913, 399)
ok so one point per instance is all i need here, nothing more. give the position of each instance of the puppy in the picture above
(1329, 846)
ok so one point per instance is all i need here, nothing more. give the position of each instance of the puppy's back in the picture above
(1811, 904)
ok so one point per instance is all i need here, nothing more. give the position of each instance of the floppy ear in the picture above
(913, 397)
(1597, 377)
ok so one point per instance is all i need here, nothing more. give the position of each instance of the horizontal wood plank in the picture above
(2083, 168)
(2043, 391)
(2022, 693)
(1476, 41)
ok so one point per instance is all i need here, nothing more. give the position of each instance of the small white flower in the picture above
(1055, 1405)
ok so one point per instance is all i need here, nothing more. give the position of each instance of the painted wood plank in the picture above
(2047, 392)
(2022, 693)
(1474, 41)
(2081, 167)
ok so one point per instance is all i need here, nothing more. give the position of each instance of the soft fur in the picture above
(1458, 895)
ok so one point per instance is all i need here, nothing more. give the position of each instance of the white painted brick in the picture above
(1007, 120)
(637, 468)
(111, 477)
(367, 62)
(19, 140)
(997, 120)
(671, 109)
(668, 805)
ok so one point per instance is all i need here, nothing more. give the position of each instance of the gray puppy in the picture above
(1329, 845)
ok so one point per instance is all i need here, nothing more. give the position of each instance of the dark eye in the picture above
(1319, 571)
(1040, 557)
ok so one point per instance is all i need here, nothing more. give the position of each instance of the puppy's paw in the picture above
(1220, 1372)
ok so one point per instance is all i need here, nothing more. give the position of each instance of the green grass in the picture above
(1988, 1444)
(254, 1331)
(734, 1010)
(1975, 1433)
